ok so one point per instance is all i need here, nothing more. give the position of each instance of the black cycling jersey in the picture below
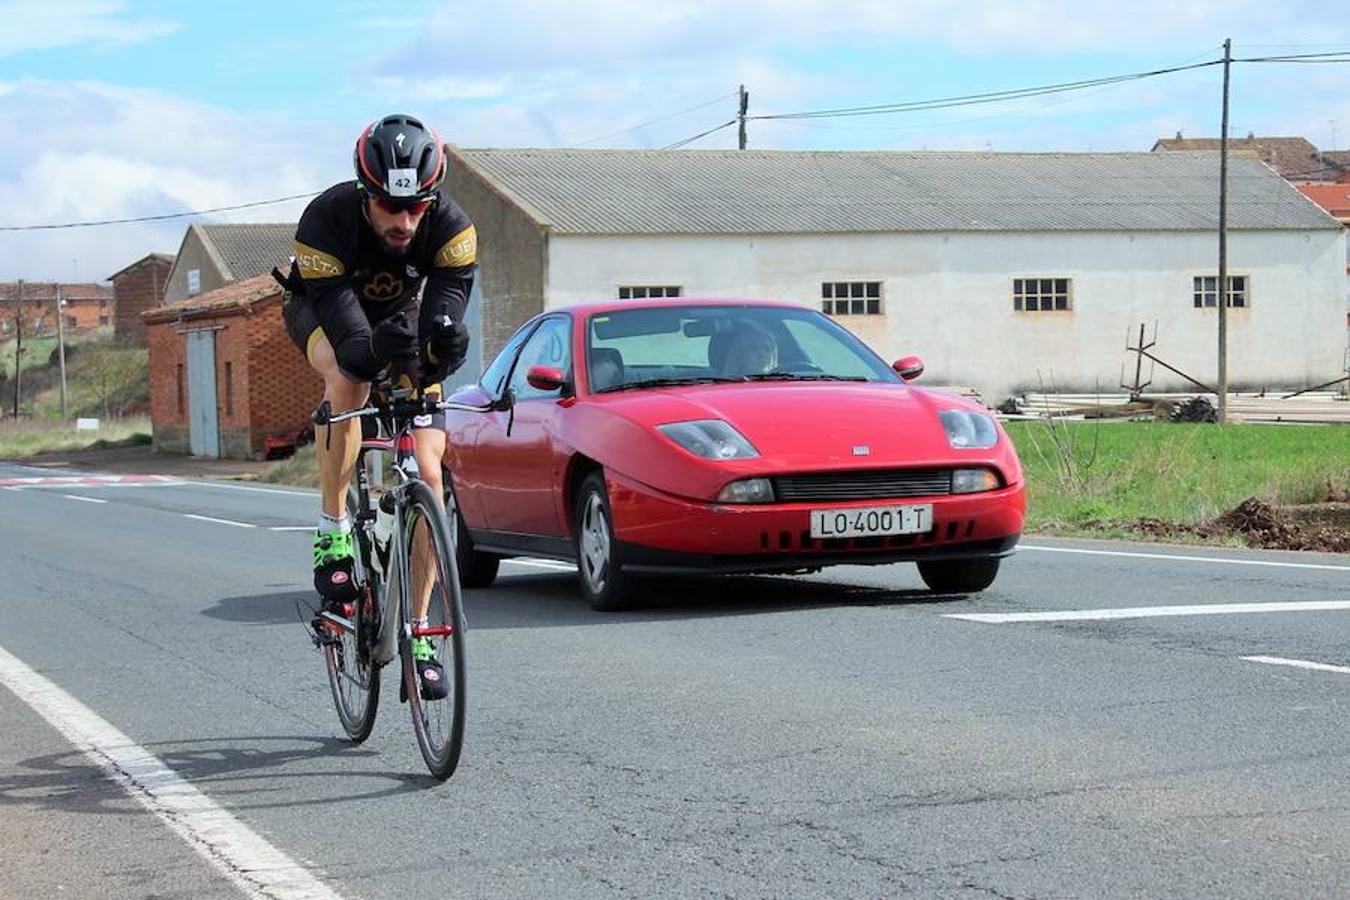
(353, 280)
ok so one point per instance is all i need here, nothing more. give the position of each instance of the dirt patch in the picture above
(1259, 524)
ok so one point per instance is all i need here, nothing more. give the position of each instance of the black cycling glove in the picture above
(444, 351)
(394, 339)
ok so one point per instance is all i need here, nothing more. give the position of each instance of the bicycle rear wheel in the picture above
(353, 679)
(438, 721)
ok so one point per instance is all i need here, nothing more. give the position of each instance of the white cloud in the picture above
(69, 23)
(92, 151)
(398, 89)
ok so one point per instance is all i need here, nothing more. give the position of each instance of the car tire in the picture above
(958, 576)
(476, 569)
(603, 582)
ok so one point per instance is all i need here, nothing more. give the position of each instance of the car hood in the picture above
(810, 426)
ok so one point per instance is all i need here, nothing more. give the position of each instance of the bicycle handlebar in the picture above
(400, 405)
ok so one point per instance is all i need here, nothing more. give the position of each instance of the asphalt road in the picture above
(167, 731)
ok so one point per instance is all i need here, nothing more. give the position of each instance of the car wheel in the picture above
(476, 569)
(603, 581)
(958, 576)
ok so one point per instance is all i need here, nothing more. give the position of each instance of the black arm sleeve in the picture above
(447, 291)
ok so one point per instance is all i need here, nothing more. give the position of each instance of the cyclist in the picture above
(379, 263)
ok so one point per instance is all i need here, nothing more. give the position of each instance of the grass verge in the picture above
(29, 437)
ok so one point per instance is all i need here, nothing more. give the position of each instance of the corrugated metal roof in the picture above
(797, 192)
(251, 249)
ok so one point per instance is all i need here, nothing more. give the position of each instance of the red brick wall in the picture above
(87, 314)
(264, 386)
(137, 289)
(282, 389)
(168, 358)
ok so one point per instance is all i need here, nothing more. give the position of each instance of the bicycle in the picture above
(380, 625)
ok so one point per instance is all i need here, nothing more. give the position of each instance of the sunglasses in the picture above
(394, 207)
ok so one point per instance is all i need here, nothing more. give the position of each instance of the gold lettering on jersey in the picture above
(315, 263)
(383, 287)
(460, 250)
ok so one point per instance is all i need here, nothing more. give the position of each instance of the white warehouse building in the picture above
(1004, 271)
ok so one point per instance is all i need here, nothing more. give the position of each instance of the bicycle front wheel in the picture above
(432, 643)
(353, 679)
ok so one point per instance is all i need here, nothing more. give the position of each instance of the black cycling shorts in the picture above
(297, 311)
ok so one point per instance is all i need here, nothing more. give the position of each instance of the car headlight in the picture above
(747, 490)
(710, 439)
(970, 481)
(968, 430)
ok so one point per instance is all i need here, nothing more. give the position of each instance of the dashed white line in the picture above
(542, 564)
(239, 853)
(1149, 612)
(85, 499)
(218, 521)
(249, 487)
(1298, 664)
(1207, 559)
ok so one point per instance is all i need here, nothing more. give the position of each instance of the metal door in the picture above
(203, 427)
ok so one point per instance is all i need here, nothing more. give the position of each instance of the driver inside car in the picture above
(751, 351)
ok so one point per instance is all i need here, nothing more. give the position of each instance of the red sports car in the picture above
(645, 437)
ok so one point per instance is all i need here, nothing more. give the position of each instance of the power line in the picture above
(158, 218)
(1333, 56)
(702, 134)
(988, 97)
(654, 121)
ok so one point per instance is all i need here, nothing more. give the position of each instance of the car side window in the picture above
(494, 376)
(550, 345)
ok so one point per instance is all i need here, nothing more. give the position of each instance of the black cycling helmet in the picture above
(399, 159)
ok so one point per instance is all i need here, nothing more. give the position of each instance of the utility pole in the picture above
(18, 348)
(1223, 239)
(740, 116)
(61, 347)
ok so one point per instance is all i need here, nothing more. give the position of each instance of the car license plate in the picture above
(868, 521)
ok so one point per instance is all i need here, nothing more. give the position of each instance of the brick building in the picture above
(1295, 158)
(138, 287)
(225, 379)
(86, 306)
(212, 256)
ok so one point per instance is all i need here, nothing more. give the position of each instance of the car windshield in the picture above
(665, 345)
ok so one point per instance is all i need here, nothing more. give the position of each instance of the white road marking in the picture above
(1298, 664)
(1149, 612)
(249, 487)
(240, 854)
(218, 521)
(85, 499)
(49, 481)
(542, 564)
(1207, 559)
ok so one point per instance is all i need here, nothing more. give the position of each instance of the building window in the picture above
(850, 298)
(229, 388)
(649, 292)
(180, 389)
(102, 320)
(1042, 294)
(1205, 291)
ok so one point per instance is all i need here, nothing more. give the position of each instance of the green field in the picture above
(32, 436)
(1085, 475)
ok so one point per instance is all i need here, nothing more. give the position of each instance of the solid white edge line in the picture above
(1298, 664)
(85, 499)
(218, 521)
(1208, 559)
(235, 850)
(1150, 612)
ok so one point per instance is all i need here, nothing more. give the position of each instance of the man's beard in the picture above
(396, 251)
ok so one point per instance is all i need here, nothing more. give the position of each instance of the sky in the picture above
(127, 109)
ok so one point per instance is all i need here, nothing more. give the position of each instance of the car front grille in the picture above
(875, 484)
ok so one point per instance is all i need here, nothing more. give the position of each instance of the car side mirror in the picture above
(908, 367)
(506, 401)
(545, 378)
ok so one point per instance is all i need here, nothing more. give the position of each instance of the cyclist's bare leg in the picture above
(336, 452)
(429, 445)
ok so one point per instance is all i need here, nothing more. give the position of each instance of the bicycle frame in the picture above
(384, 648)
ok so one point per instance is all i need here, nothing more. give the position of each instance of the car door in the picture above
(521, 461)
(472, 435)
